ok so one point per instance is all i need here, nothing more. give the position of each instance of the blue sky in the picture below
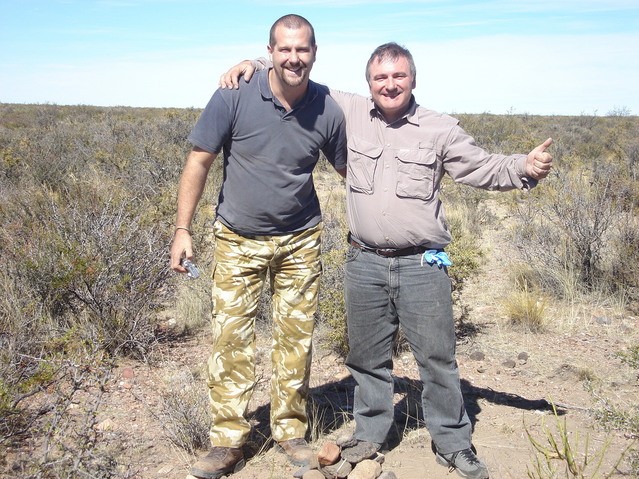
(529, 56)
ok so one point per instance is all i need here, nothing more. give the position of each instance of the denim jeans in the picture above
(381, 294)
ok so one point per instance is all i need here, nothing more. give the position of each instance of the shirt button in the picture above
(385, 189)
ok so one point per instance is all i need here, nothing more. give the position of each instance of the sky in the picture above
(540, 57)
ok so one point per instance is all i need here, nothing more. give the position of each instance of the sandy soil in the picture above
(508, 377)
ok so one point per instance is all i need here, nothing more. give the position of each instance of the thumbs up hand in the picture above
(539, 161)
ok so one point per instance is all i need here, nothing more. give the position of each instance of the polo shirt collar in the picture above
(267, 93)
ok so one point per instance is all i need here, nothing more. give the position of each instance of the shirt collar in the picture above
(267, 94)
(410, 115)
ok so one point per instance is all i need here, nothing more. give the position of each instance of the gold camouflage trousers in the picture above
(241, 266)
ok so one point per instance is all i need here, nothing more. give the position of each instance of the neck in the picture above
(288, 95)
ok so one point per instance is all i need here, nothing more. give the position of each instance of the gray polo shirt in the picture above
(269, 154)
(395, 171)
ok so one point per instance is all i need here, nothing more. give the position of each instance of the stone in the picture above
(523, 356)
(603, 320)
(387, 475)
(106, 425)
(477, 356)
(509, 363)
(328, 454)
(313, 474)
(366, 470)
(301, 471)
(346, 439)
(340, 470)
(128, 373)
(362, 450)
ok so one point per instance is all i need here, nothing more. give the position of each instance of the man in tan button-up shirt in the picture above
(395, 268)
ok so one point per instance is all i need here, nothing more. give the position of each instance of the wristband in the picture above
(183, 228)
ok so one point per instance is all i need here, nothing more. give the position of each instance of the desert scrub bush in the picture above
(65, 440)
(567, 228)
(183, 412)
(500, 133)
(87, 260)
(630, 357)
(560, 454)
(466, 216)
(332, 309)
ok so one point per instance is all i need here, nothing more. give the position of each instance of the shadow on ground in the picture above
(330, 406)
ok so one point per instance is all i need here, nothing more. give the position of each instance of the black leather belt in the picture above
(388, 252)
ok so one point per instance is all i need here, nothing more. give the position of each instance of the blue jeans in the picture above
(381, 294)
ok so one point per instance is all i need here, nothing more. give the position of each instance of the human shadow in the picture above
(331, 405)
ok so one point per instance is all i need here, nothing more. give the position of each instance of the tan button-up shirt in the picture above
(395, 171)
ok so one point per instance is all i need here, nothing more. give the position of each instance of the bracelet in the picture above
(183, 228)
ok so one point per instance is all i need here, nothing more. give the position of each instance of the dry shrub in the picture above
(526, 309)
(565, 232)
(184, 412)
(89, 261)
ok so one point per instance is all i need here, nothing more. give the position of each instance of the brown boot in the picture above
(298, 451)
(218, 462)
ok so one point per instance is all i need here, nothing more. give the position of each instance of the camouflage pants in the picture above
(241, 265)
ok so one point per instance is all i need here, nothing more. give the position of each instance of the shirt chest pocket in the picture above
(416, 173)
(362, 162)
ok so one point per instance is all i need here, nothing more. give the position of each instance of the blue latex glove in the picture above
(439, 257)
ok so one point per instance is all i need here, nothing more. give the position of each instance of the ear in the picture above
(414, 83)
(270, 52)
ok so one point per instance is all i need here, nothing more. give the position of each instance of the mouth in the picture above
(294, 71)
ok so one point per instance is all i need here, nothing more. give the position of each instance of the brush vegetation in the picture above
(87, 204)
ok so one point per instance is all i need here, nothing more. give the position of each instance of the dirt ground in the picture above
(508, 377)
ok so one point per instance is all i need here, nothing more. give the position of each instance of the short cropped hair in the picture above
(293, 22)
(390, 51)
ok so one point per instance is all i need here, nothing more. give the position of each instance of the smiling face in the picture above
(391, 85)
(293, 55)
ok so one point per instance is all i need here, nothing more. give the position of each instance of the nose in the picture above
(390, 84)
(293, 57)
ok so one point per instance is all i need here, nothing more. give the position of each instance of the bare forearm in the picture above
(189, 193)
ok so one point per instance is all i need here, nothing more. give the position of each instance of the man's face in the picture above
(292, 55)
(391, 85)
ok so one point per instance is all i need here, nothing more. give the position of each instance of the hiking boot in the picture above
(465, 462)
(355, 451)
(298, 451)
(218, 462)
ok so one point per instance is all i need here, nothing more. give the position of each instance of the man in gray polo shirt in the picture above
(395, 270)
(268, 220)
